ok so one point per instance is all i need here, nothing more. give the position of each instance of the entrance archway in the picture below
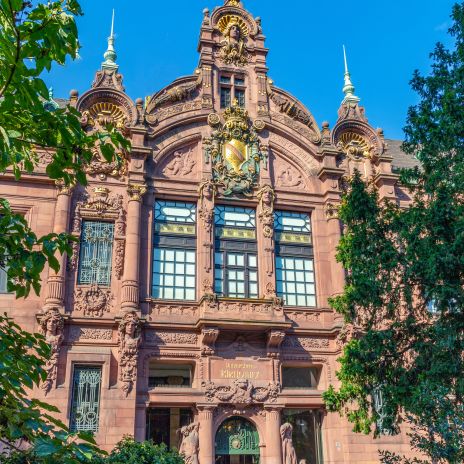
(237, 442)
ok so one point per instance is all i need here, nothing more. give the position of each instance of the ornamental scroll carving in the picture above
(87, 333)
(129, 339)
(93, 301)
(171, 310)
(293, 109)
(51, 325)
(306, 343)
(241, 392)
(101, 205)
(266, 197)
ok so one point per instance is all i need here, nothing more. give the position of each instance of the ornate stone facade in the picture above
(209, 357)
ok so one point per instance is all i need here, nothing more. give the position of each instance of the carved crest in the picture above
(93, 301)
(234, 150)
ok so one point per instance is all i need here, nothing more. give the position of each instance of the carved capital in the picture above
(63, 189)
(331, 211)
(136, 191)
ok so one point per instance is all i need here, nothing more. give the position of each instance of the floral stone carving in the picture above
(129, 338)
(94, 301)
(235, 151)
(241, 392)
(51, 325)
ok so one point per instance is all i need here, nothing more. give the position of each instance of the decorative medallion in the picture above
(354, 145)
(235, 152)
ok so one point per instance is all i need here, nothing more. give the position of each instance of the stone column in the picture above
(130, 283)
(334, 235)
(273, 440)
(206, 434)
(55, 282)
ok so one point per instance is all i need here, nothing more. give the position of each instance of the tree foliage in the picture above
(404, 295)
(33, 37)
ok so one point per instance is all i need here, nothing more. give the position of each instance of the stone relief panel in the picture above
(304, 316)
(156, 337)
(80, 334)
(182, 163)
(172, 311)
(93, 301)
(305, 343)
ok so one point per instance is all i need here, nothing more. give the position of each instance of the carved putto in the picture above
(289, 177)
(234, 150)
(241, 392)
(129, 334)
(94, 301)
(181, 165)
(266, 197)
(190, 443)
(233, 49)
(51, 326)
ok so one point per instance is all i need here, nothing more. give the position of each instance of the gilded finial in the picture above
(348, 88)
(110, 54)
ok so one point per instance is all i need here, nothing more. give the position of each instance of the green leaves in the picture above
(402, 262)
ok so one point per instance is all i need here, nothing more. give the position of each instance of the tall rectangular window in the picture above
(225, 97)
(96, 250)
(235, 261)
(85, 402)
(240, 96)
(294, 259)
(3, 280)
(175, 251)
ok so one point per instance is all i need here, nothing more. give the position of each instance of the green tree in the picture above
(33, 37)
(404, 295)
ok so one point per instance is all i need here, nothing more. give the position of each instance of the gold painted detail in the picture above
(225, 232)
(233, 49)
(136, 191)
(289, 237)
(228, 21)
(104, 113)
(354, 145)
(184, 229)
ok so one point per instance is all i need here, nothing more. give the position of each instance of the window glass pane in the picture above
(3, 280)
(292, 222)
(85, 402)
(174, 211)
(295, 286)
(235, 217)
(239, 81)
(174, 280)
(224, 79)
(225, 97)
(240, 96)
(252, 260)
(96, 250)
(306, 434)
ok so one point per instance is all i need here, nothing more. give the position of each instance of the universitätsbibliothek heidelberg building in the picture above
(194, 310)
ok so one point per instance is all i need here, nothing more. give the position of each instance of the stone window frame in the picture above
(233, 87)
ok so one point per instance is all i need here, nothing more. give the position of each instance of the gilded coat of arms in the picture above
(234, 150)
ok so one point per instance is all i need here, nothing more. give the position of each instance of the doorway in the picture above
(237, 442)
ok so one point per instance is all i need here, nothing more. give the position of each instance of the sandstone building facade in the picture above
(194, 310)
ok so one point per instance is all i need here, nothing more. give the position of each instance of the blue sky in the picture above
(156, 42)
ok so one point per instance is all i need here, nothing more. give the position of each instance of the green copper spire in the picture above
(348, 88)
(110, 54)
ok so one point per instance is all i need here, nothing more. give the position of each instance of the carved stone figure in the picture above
(129, 333)
(207, 191)
(51, 325)
(190, 443)
(288, 451)
(182, 164)
(233, 49)
(266, 197)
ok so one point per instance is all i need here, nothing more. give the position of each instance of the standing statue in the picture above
(266, 197)
(190, 443)
(129, 342)
(207, 191)
(51, 326)
(288, 451)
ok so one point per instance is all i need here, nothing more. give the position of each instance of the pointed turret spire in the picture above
(110, 54)
(348, 88)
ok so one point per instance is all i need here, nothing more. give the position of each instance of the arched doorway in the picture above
(237, 442)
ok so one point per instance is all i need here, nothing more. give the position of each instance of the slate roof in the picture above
(400, 158)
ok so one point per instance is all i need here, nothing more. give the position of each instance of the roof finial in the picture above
(110, 54)
(348, 88)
